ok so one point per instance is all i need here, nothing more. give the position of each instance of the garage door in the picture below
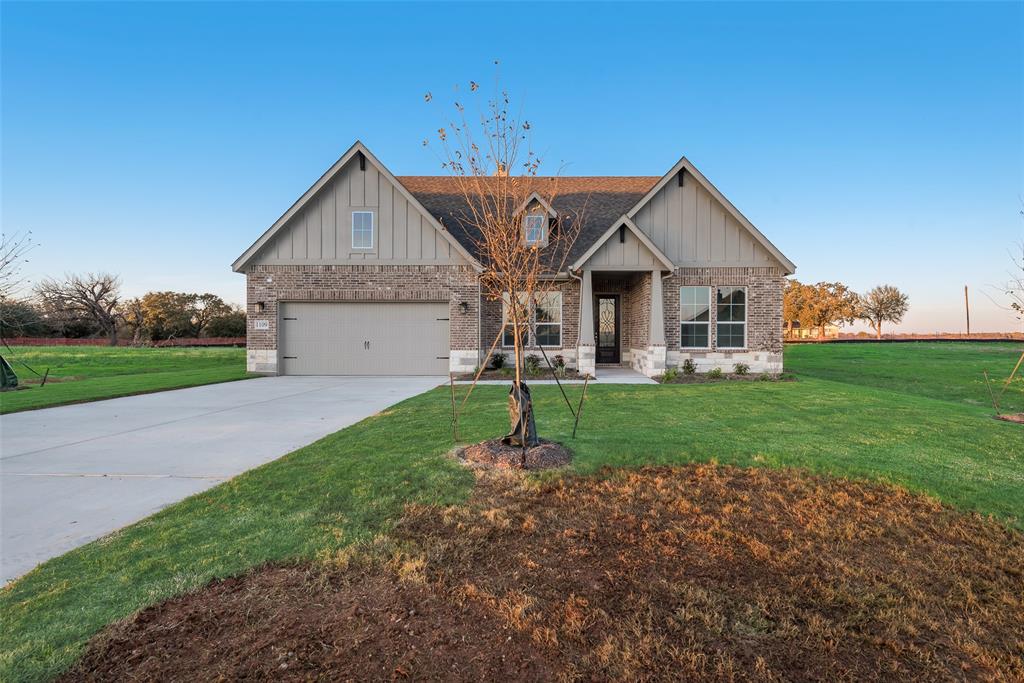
(364, 338)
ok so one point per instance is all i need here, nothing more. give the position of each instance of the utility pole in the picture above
(967, 307)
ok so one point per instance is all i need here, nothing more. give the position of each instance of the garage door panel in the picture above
(364, 338)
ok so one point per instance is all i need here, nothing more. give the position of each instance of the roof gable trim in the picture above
(635, 229)
(364, 154)
(684, 164)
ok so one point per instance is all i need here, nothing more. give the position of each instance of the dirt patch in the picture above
(677, 574)
(1011, 417)
(496, 454)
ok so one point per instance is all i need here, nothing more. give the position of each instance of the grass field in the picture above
(91, 373)
(910, 414)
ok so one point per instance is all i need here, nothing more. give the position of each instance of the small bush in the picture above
(498, 361)
(532, 364)
(741, 368)
(689, 367)
(670, 375)
(715, 373)
(765, 377)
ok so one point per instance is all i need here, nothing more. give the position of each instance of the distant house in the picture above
(794, 331)
(369, 273)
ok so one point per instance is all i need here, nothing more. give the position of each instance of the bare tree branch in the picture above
(93, 297)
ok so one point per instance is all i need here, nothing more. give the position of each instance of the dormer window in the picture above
(535, 229)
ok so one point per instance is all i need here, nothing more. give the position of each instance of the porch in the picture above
(622, 322)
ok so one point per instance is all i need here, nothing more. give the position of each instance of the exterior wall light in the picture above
(464, 308)
(260, 306)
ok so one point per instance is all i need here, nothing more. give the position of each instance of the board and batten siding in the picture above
(693, 229)
(322, 231)
(631, 254)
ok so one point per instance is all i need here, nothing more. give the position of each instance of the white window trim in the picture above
(531, 324)
(373, 231)
(561, 313)
(746, 318)
(683, 322)
(543, 230)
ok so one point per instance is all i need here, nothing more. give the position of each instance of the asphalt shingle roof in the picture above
(600, 199)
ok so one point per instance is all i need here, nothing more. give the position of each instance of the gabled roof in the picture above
(358, 148)
(684, 165)
(644, 240)
(598, 200)
(535, 197)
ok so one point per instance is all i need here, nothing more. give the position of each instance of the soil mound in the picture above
(678, 574)
(548, 454)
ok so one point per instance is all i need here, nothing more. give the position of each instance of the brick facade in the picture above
(570, 290)
(764, 317)
(273, 284)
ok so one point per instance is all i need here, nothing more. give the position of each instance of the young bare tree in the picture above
(496, 171)
(883, 304)
(13, 249)
(93, 297)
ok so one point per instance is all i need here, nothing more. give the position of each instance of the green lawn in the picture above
(91, 373)
(932, 434)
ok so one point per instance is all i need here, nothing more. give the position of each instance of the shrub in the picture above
(670, 375)
(532, 364)
(715, 373)
(765, 377)
(741, 368)
(498, 361)
(689, 367)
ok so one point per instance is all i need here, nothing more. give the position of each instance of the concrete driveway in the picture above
(72, 474)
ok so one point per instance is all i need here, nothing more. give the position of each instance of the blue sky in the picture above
(872, 142)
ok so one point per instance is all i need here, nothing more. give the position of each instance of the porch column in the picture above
(586, 358)
(657, 333)
(656, 352)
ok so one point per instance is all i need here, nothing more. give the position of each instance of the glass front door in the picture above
(606, 327)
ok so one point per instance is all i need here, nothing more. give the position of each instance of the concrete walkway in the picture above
(72, 474)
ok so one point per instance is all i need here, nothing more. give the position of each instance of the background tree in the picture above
(230, 324)
(883, 304)
(167, 315)
(204, 309)
(793, 300)
(827, 303)
(92, 298)
(133, 315)
(20, 318)
(496, 170)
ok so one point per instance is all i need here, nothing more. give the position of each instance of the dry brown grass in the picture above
(696, 572)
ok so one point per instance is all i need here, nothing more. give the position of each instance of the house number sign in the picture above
(261, 324)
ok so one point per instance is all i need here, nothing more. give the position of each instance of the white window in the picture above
(694, 317)
(535, 229)
(362, 229)
(547, 318)
(544, 326)
(732, 318)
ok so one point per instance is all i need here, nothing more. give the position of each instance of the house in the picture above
(369, 273)
(795, 331)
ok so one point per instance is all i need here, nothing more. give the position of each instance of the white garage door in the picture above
(364, 338)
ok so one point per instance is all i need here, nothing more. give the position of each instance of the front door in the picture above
(606, 327)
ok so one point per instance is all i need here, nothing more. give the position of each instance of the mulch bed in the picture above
(1011, 417)
(694, 573)
(702, 378)
(491, 374)
(496, 454)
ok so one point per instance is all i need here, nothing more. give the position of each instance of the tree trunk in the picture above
(113, 335)
(878, 330)
(523, 428)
